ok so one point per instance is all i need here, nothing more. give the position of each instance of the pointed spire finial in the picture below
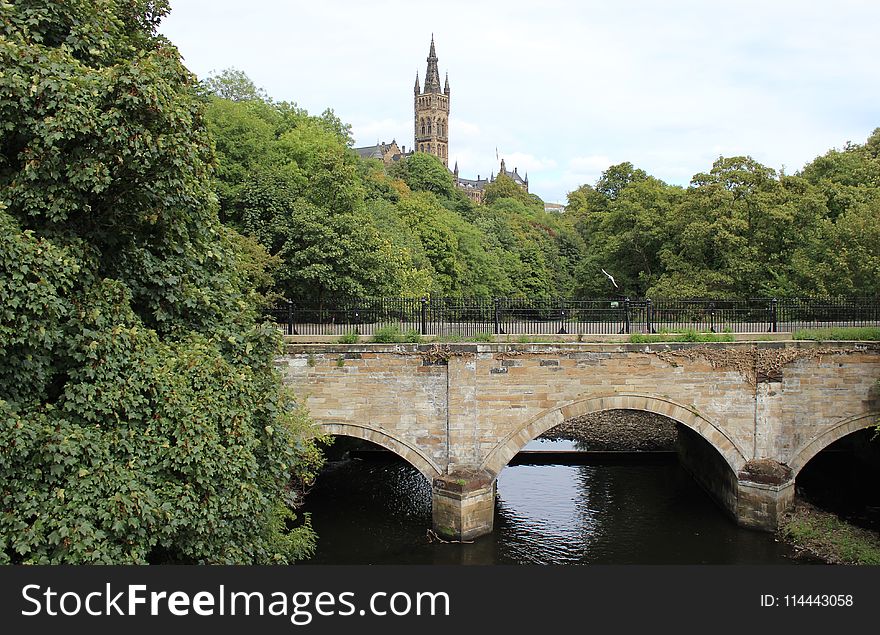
(432, 76)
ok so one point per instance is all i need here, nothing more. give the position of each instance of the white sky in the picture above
(565, 88)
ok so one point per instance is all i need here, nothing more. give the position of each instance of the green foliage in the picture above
(855, 333)
(142, 420)
(739, 230)
(830, 538)
(288, 180)
(688, 335)
(476, 337)
(234, 85)
(504, 187)
(424, 172)
(340, 226)
(386, 335)
(393, 335)
(349, 338)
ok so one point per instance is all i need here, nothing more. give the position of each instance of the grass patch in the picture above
(858, 333)
(349, 338)
(452, 339)
(685, 336)
(392, 335)
(824, 535)
(538, 339)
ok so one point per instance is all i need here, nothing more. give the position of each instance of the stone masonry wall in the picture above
(476, 405)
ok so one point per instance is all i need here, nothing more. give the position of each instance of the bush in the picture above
(689, 335)
(387, 335)
(392, 335)
(864, 334)
(141, 418)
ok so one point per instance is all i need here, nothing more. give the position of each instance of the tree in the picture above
(742, 231)
(504, 187)
(424, 172)
(234, 85)
(617, 177)
(142, 420)
(625, 235)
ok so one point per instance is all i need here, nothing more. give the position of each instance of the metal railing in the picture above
(468, 317)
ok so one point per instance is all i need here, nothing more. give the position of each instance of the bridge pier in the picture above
(764, 491)
(463, 504)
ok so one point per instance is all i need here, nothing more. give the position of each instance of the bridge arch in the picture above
(819, 442)
(689, 417)
(407, 451)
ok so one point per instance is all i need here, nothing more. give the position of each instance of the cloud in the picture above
(367, 132)
(564, 89)
(524, 162)
(589, 164)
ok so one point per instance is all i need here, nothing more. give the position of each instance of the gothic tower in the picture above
(431, 108)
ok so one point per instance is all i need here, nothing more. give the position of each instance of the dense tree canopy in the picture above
(739, 230)
(142, 420)
(341, 226)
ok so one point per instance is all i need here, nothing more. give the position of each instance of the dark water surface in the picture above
(378, 510)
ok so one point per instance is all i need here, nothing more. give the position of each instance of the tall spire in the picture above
(446, 88)
(417, 89)
(432, 77)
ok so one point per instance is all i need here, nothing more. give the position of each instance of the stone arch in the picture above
(688, 417)
(822, 440)
(408, 452)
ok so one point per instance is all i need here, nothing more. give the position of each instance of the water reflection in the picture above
(377, 511)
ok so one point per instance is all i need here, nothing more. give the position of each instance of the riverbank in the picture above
(823, 535)
(617, 431)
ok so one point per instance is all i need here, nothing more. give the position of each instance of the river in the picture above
(635, 510)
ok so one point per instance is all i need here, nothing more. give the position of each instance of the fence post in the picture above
(562, 316)
(626, 326)
(773, 315)
(496, 317)
(424, 310)
(289, 316)
(649, 317)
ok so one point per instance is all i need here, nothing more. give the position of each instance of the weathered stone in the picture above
(479, 411)
(463, 505)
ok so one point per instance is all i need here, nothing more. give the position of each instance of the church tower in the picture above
(431, 108)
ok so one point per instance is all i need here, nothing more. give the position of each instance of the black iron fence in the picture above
(470, 317)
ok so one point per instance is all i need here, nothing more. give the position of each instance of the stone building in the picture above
(431, 112)
(431, 133)
(387, 152)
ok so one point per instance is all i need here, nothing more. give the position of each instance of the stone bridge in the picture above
(758, 411)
